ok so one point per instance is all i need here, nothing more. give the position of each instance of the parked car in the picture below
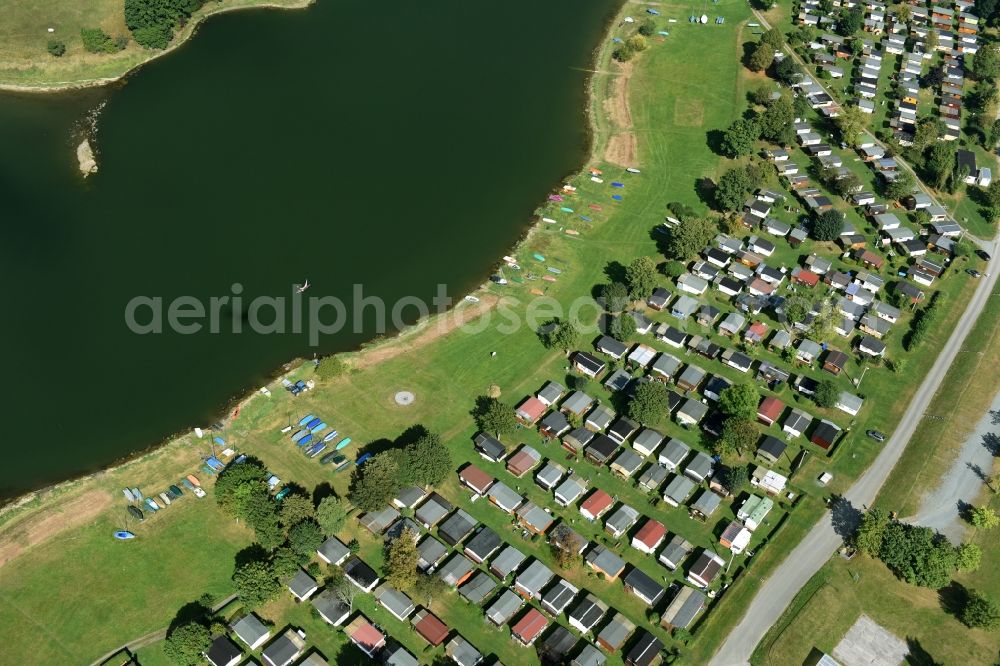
(973, 272)
(983, 254)
(876, 435)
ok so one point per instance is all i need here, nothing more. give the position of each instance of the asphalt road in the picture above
(822, 541)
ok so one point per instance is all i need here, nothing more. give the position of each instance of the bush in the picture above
(922, 322)
(56, 47)
(647, 27)
(96, 40)
(623, 53)
(153, 37)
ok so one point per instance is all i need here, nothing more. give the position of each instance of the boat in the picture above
(165, 498)
(315, 421)
(566, 209)
(342, 466)
(123, 535)
(299, 288)
(128, 494)
(315, 450)
(343, 443)
(555, 197)
(307, 419)
(617, 184)
(363, 459)
(319, 428)
(299, 435)
(573, 232)
(218, 440)
(151, 503)
(596, 179)
(596, 172)
(188, 484)
(286, 429)
(548, 278)
(616, 197)
(549, 220)
(198, 492)
(214, 464)
(136, 513)
(176, 491)
(539, 257)
(597, 207)
(305, 440)
(553, 269)
(585, 218)
(632, 170)
(193, 479)
(471, 299)
(569, 188)
(536, 292)
(330, 436)
(514, 267)
(329, 458)
(499, 279)
(509, 259)
(266, 391)
(283, 493)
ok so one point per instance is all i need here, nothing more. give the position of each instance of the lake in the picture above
(398, 146)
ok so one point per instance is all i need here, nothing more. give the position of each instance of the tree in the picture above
(740, 400)
(918, 555)
(933, 78)
(773, 38)
(255, 583)
(376, 483)
(640, 277)
(623, 53)
(331, 514)
(495, 416)
(689, 238)
(401, 560)
(651, 404)
(761, 57)
(870, 532)
(96, 40)
(675, 269)
(56, 47)
(992, 194)
(331, 367)
(940, 163)
(562, 335)
(739, 139)
(305, 537)
(851, 122)
(738, 435)
(847, 184)
(828, 225)
(648, 27)
(980, 611)
(777, 121)
(615, 296)
(622, 327)
(427, 588)
(787, 71)
(637, 43)
(796, 309)
(285, 562)
(681, 211)
(985, 63)
(295, 509)
(968, 557)
(428, 460)
(186, 643)
(736, 479)
(232, 483)
(931, 41)
(827, 393)
(903, 12)
(343, 589)
(564, 547)
(984, 518)
(851, 20)
(901, 187)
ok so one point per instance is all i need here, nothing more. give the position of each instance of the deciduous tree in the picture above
(255, 583)
(185, 644)
(984, 518)
(980, 611)
(376, 482)
(640, 276)
(651, 404)
(689, 238)
(401, 560)
(828, 225)
(740, 400)
(495, 416)
(738, 435)
(331, 514)
(827, 393)
(305, 537)
(740, 137)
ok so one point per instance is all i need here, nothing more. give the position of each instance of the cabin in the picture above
(587, 612)
(605, 562)
(769, 410)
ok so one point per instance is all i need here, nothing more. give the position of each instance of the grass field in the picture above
(24, 37)
(189, 549)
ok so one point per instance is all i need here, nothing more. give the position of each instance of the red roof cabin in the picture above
(430, 628)
(529, 627)
(529, 411)
(805, 277)
(769, 410)
(596, 505)
(476, 479)
(649, 536)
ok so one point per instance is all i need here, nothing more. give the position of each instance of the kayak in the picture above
(616, 197)
(319, 428)
(555, 197)
(548, 278)
(595, 207)
(572, 232)
(632, 170)
(330, 436)
(123, 535)
(539, 257)
(305, 440)
(566, 209)
(617, 184)
(193, 479)
(136, 512)
(343, 443)
(585, 218)
(306, 419)
(299, 435)
(548, 220)
(553, 269)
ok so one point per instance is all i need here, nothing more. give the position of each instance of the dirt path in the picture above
(622, 147)
(55, 518)
(426, 333)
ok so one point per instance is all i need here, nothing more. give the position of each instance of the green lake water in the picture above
(397, 145)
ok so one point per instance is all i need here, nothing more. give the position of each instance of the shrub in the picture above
(56, 47)
(96, 40)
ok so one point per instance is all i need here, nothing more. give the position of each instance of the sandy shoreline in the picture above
(369, 354)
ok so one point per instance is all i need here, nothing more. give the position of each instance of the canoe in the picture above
(316, 450)
(128, 495)
(306, 419)
(123, 535)
(597, 180)
(344, 465)
(319, 428)
(330, 436)
(343, 443)
(555, 197)
(572, 232)
(548, 220)
(553, 269)
(566, 209)
(328, 458)
(299, 435)
(539, 257)
(165, 498)
(585, 218)
(536, 292)
(315, 421)
(305, 440)
(193, 479)
(136, 512)
(548, 278)
(617, 184)
(218, 440)
(595, 207)
(616, 197)
(632, 170)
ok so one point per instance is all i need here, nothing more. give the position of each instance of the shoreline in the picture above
(181, 38)
(10, 507)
